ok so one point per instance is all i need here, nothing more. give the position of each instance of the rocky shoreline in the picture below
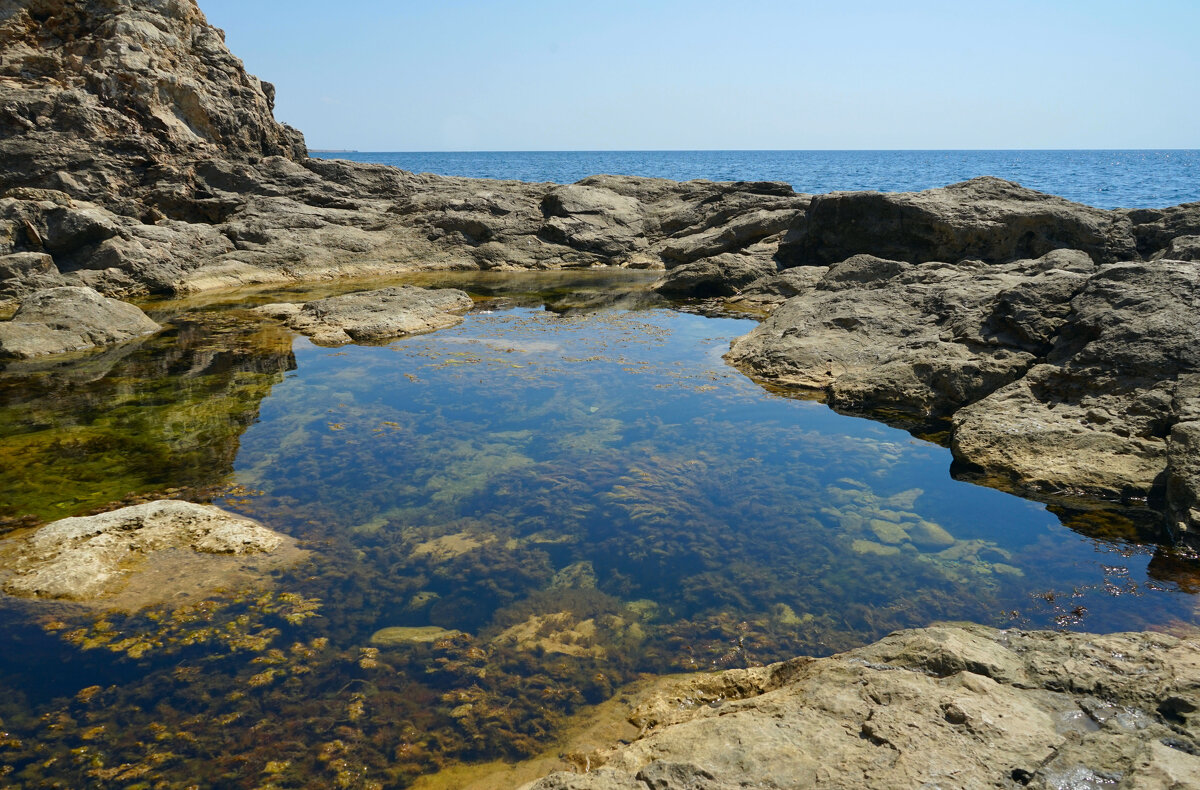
(1057, 341)
(944, 706)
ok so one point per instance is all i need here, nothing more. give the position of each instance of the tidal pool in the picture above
(507, 520)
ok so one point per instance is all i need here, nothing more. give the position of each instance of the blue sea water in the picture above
(1107, 179)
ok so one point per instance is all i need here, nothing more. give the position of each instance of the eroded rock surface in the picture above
(56, 320)
(935, 707)
(141, 554)
(1059, 375)
(369, 316)
(986, 219)
(137, 155)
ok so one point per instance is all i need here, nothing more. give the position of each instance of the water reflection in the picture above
(80, 432)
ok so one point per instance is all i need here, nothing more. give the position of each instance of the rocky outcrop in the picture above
(985, 219)
(936, 707)
(99, 94)
(56, 320)
(126, 555)
(369, 316)
(1060, 376)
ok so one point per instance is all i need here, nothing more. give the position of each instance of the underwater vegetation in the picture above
(507, 521)
(164, 412)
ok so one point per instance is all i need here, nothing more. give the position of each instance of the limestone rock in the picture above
(142, 553)
(1156, 228)
(56, 320)
(133, 82)
(986, 218)
(373, 315)
(1180, 248)
(937, 707)
(923, 340)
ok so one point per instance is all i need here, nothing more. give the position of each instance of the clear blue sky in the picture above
(453, 75)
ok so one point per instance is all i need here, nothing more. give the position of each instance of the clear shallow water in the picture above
(1107, 179)
(584, 495)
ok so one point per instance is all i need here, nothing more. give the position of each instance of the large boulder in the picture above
(70, 318)
(720, 275)
(987, 219)
(1096, 415)
(944, 706)
(919, 340)
(370, 316)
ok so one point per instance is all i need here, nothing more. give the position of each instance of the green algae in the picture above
(165, 413)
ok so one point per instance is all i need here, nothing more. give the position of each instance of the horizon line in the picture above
(737, 150)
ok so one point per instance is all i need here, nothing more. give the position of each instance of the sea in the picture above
(1105, 179)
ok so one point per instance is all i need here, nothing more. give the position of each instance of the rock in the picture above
(373, 315)
(884, 334)
(140, 554)
(594, 219)
(938, 707)
(731, 236)
(397, 636)
(1180, 248)
(30, 267)
(1156, 228)
(1095, 417)
(722, 275)
(1060, 377)
(987, 219)
(95, 91)
(56, 320)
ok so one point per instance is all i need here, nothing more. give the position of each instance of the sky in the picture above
(531, 75)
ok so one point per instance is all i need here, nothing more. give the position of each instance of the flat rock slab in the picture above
(141, 555)
(371, 316)
(943, 706)
(407, 635)
(70, 318)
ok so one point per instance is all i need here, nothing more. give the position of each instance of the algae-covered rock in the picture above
(861, 546)
(928, 535)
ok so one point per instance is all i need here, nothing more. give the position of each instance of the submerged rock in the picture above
(57, 320)
(942, 706)
(373, 315)
(142, 554)
(396, 636)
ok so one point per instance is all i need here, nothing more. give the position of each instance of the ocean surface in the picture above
(1106, 179)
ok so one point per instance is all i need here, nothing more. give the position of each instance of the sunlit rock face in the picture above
(99, 94)
(946, 706)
